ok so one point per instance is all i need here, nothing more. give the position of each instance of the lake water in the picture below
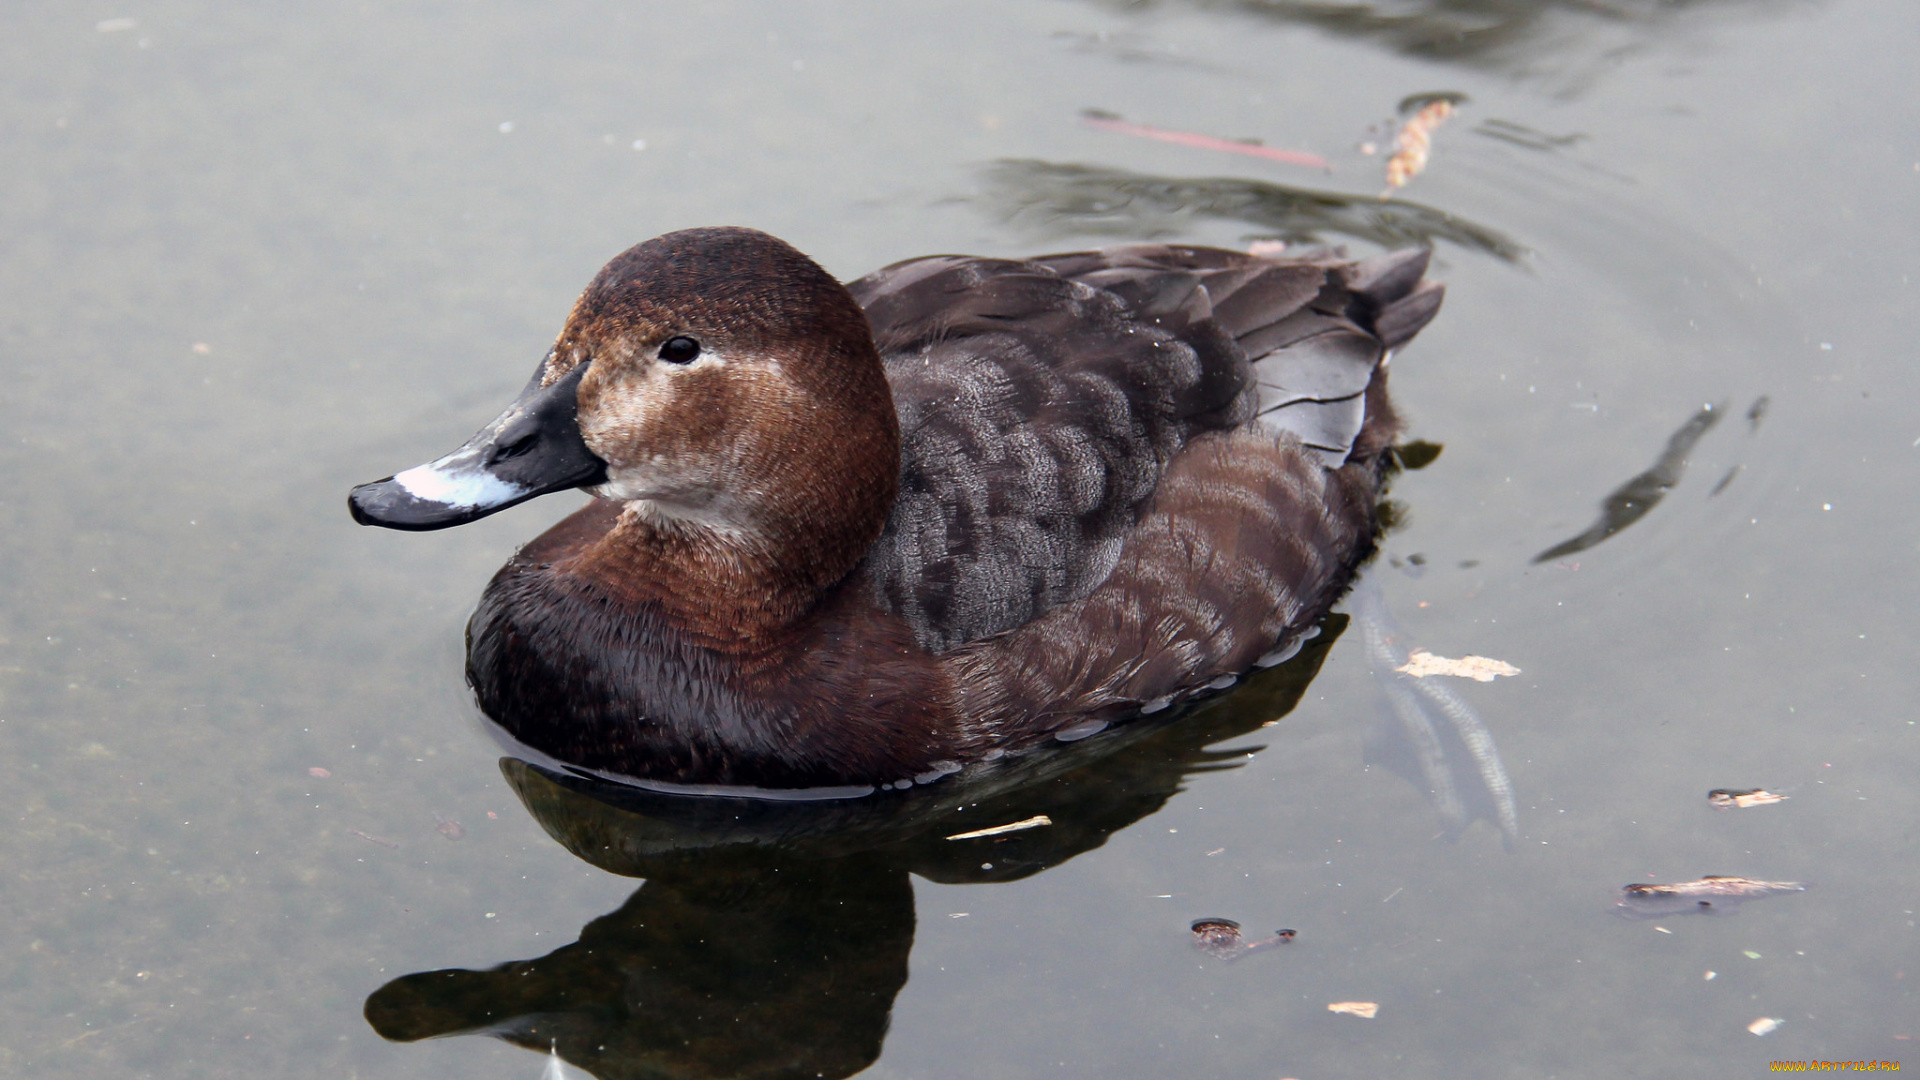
(256, 254)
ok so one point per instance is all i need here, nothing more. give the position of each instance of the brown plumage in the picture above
(959, 508)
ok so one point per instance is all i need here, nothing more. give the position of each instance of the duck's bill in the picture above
(531, 449)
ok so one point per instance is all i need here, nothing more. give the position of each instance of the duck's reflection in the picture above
(740, 963)
(770, 939)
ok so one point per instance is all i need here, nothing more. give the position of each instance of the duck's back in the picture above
(1043, 401)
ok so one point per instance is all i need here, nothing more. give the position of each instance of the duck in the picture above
(852, 537)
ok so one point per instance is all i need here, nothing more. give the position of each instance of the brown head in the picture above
(721, 385)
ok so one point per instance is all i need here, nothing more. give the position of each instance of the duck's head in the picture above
(714, 380)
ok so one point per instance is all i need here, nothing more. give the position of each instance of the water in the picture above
(254, 257)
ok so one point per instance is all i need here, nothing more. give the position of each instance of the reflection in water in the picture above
(1131, 49)
(1630, 501)
(1511, 36)
(1755, 413)
(557, 1067)
(1527, 138)
(770, 938)
(1564, 147)
(741, 964)
(1455, 761)
(1064, 199)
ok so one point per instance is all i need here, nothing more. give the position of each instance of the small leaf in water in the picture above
(1725, 799)
(1714, 894)
(1421, 664)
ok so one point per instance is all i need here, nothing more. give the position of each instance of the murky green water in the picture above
(252, 257)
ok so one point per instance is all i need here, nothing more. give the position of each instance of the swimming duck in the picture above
(857, 536)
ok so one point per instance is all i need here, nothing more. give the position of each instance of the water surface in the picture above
(255, 256)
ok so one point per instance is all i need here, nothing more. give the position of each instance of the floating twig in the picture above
(1105, 121)
(1031, 823)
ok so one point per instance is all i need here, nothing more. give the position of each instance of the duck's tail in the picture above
(1321, 366)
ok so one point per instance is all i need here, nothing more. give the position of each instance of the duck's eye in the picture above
(679, 350)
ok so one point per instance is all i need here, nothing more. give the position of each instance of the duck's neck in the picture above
(729, 586)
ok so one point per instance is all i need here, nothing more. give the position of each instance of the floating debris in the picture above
(1416, 141)
(1711, 895)
(1221, 939)
(1031, 823)
(450, 829)
(1106, 121)
(1365, 1010)
(1421, 663)
(1724, 799)
(1766, 1025)
(381, 840)
(1415, 102)
(1218, 938)
(318, 773)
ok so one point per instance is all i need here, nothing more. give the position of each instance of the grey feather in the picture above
(1041, 401)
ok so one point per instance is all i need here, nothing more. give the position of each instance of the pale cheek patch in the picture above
(458, 480)
(621, 422)
(687, 445)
